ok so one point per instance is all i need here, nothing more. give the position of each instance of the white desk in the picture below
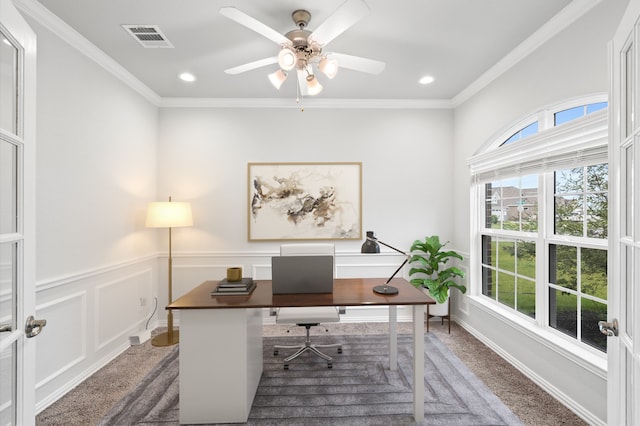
(221, 343)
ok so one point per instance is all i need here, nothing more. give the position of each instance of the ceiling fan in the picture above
(302, 50)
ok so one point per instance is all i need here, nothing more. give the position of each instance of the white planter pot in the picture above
(440, 310)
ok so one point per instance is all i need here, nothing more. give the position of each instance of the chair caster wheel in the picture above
(286, 366)
(339, 350)
(275, 353)
(330, 366)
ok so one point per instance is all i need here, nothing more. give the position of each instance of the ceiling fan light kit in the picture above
(301, 49)
(277, 78)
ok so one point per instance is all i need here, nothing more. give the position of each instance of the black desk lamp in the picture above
(370, 245)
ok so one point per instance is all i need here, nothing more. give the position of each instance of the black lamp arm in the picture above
(386, 245)
(392, 248)
(397, 270)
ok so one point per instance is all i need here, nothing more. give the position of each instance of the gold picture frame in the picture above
(304, 201)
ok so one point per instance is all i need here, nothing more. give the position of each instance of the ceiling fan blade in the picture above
(252, 65)
(253, 24)
(357, 63)
(350, 12)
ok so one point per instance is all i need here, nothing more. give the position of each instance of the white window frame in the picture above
(580, 142)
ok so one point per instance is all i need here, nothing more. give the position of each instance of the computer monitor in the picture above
(302, 274)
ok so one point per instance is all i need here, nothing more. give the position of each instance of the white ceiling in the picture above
(459, 42)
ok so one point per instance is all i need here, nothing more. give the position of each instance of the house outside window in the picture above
(539, 246)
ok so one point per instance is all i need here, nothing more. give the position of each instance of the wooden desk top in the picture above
(346, 292)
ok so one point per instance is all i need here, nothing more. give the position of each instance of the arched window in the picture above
(539, 202)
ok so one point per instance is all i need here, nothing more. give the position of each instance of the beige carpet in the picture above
(90, 401)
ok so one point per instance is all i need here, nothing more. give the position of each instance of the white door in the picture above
(623, 348)
(17, 217)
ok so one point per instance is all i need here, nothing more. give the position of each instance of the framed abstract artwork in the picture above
(305, 201)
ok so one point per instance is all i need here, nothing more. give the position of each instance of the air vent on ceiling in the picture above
(148, 35)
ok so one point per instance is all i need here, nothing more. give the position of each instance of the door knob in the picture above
(33, 327)
(609, 329)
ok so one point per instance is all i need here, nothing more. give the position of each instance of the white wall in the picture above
(404, 153)
(572, 64)
(96, 170)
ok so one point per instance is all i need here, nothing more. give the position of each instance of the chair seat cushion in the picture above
(310, 315)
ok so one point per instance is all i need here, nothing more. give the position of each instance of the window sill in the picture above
(594, 362)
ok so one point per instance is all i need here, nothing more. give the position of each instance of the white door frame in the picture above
(623, 386)
(25, 39)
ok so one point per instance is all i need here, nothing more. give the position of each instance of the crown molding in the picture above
(61, 29)
(316, 103)
(563, 19)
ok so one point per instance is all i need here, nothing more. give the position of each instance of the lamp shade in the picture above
(370, 244)
(277, 78)
(169, 215)
(313, 85)
(287, 58)
(328, 67)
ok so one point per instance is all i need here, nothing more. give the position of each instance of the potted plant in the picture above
(430, 268)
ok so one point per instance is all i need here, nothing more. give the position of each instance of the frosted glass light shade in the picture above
(287, 59)
(277, 78)
(313, 85)
(328, 67)
(169, 215)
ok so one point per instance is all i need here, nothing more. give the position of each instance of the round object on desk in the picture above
(234, 274)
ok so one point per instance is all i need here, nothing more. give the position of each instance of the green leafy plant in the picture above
(431, 269)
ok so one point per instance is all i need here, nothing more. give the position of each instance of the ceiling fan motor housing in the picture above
(305, 50)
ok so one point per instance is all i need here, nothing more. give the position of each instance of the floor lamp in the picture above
(168, 215)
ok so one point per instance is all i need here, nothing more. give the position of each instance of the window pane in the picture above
(593, 276)
(527, 297)
(506, 289)
(598, 178)
(8, 185)
(629, 191)
(569, 215)
(628, 89)
(568, 115)
(506, 256)
(8, 385)
(512, 139)
(488, 282)
(597, 215)
(569, 181)
(563, 312)
(531, 129)
(8, 283)
(596, 107)
(8, 85)
(592, 312)
(627, 290)
(526, 259)
(563, 262)
(528, 207)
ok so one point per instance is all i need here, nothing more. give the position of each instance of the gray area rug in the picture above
(359, 390)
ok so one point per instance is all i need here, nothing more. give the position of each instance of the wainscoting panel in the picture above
(129, 294)
(64, 332)
(90, 317)
(61, 347)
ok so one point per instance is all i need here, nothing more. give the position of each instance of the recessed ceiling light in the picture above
(185, 76)
(427, 79)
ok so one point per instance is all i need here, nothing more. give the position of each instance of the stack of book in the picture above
(234, 288)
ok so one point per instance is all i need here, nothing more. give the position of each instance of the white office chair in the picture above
(311, 316)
